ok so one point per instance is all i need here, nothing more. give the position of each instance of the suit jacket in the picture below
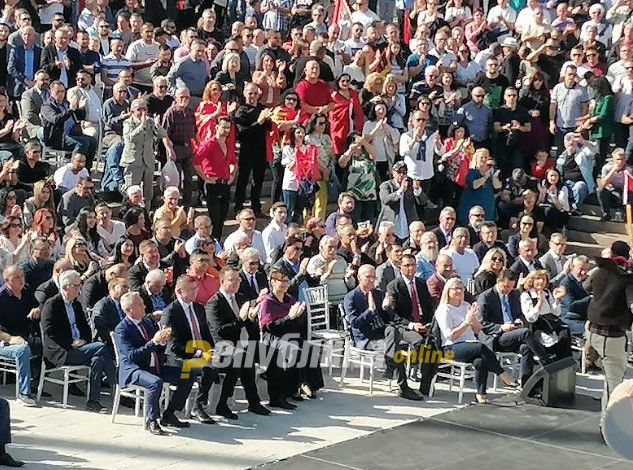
(390, 202)
(138, 149)
(134, 351)
(491, 312)
(555, 276)
(105, 318)
(403, 307)
(362, 321)
(435, 285)
(174, 316)
(57, 337)
(576, 299)
(49, 57)
(295, 278)
(441, 239)
(17, 65)
(31, 105)
(385, 273)
(94, 289)
(474, 235)
(245, 288)
(46, 291)
(224, 325)
(54, 115)
(519, 267)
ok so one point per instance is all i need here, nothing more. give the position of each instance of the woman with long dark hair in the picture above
(450, 103)
(555, 202)
(535, 97)
(284, 117)
(317, 135)
(599, 121)
(86, 225)
(383, 137)
(124, 252)
(346, 115)
(134, 220)
(270, 79)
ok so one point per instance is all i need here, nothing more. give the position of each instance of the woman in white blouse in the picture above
(459, 327)
(13, 241)
(110, 231)
(542, 310)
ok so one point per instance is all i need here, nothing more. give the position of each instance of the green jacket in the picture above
(604, 110)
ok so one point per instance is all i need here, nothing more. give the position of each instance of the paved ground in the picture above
(50, 437)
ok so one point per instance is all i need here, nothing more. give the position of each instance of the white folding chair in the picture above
(509, 361)
(454, 372)
(319, 331)
(10, 366)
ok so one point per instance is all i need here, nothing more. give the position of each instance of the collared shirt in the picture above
(158, 303)
(29, 57)
(569, 104)
(63, 75)
(257, 242)
(230, 298)
(529, 264)
(424, 268)
(140, 51)
(274, 236)
(558, 260)
(207, 286)
(506, 310)
(112, 119)
(213, 161)
(145, 334)
(188, 73)
(119, 310)
(113, 65)
(408, 282)
(179, 124)
(478, 119)
(72, 319)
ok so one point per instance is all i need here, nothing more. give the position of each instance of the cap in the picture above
(620, 248)
(510, 42)
(518, 174)
(399, 167)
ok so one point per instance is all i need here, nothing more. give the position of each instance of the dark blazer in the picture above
(492, 314)
(441, 239)
(246, 290)
(361, 319)
(519, 267)
(385, 273)
(481, 249)
(224, 325)
(94, 289)
(174, 316)
(16, 68)
(57, 338)
(390, 202)
(105, 318)
(54, 115)
(134, 351)
(295, 278)
(46, 291)
(49, 57)
(403, 306)
(473, 234)
(576, 299)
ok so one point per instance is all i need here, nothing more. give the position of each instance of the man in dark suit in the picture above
(372, 328)
(61, 61)
(96, 286)
(24, 61)
(32, 101)
(386, 236)
(107, 313)
(188, 323)
(576, 301)
(66, 338)
(476, 216)
(390, 269)
(229, 318)
(444, 231)
(291, 265)
(413, 243)
(59, 117)
(504, 326)
(49, 289)
(253, 280)
(525, 262)
(488, 241)
(150, 259)
(141, 348)
(396, 192)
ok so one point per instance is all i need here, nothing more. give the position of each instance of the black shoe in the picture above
(7, 461)
(155, 428)
(200, 415)
(128, 402)
(94, 405)
(296, 397)
(75, 391)
(605, 218)
(34, 391)
(225, 412)
(410, 394)
(259, 409)
(283, 404)
(173, 422)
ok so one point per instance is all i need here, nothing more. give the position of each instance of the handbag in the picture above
(334, 186)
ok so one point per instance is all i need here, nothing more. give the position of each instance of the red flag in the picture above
(406, 28)
(341, 12)
(627, 194)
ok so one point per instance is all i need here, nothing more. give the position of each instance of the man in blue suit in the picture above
(141, 362)
(107, 313)
(372, 326)
(504, 327)
(576, 301)
(24, 61)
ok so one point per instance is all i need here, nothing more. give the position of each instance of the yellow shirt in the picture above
(178, 219)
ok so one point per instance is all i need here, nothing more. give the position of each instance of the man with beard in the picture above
(436, 282)
(476, 218)
(425, 259)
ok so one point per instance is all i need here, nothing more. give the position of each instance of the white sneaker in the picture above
(27, 400)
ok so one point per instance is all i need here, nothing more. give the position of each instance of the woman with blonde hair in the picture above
(482, 181)
(486, 276)
(77, 253)
(370, 94)
(459, 326)
(42, 199)
(230, 78)
(541, 308)
(395, 101)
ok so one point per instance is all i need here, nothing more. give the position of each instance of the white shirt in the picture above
(93, 103)
(449, 317)
(526, 16)
(464, 264)
(274, 236)
(257, 242)
(65, 178)
(186, 307)
(140, 51)
(352, 46)
(46, 12)
(497, 12)
(118, 231)
(366, 18)
(418, 169)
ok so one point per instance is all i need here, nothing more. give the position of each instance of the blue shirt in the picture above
(423, 269)
(70, 313)
(29, 57)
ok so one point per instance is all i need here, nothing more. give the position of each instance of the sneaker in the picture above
(618, 216)
(27, 400)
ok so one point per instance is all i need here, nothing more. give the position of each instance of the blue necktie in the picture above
(505, 307)
(421, 150)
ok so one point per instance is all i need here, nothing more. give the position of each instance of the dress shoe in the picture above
(155, 428)
(45, 394)
(283, 404)
(75, 391)
(7, 461)
(410, 394)
(225, 412)
(200, 415)
(173, 422)
(259, 409)
(297, 397)
(94, 405)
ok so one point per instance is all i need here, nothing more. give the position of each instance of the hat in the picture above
(518, 174)
(509, 41)
(620, 248)
(399, 166)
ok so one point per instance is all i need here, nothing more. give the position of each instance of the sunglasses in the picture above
(497, 258)
(321, 123)
(291, 98)
(16, 225)
(477, 215)
(81, 245)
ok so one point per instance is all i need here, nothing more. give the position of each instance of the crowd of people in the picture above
(502, 117)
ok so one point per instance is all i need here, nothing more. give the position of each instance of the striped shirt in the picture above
(113, 66)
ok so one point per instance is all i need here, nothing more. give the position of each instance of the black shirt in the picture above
(157, 106)
(550, 66)
(505, 115)
(251, 134)
(494, 88)
(216, 35)
(571, 171)
(29, 175)
(13, 312)
(4, 58)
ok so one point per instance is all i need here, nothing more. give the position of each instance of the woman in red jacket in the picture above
(347, 114)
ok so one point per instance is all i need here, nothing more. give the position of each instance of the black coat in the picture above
(49, 58)
(174, 316)
(46, 291)
(402, 307)
(612, 290)
(246, 290)
(224, 325)
(54, 115)
(94, 289)
(295, 278)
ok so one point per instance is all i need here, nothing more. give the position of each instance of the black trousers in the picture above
(522, 341)
(278, 176)
(247, 376)
(206, 375)
(246, 165)
(184, 163)
(608, 198)
(218, 199)
(393, 339)
(5, 422)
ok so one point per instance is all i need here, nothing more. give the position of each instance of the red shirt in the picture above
(316, 95)
(212, 160)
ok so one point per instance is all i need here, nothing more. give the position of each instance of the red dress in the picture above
(205, 122)
(345, 114)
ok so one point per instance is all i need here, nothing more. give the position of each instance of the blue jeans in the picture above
(21, 353)
(97, 356)
(579, 191)
(575, 323)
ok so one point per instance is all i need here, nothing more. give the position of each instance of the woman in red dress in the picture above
(347, 114)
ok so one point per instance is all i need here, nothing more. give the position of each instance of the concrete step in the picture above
(592, 224)
(591, 250)
(602, 239)
(590, 209)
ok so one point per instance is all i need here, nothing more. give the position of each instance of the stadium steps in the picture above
(589, 236)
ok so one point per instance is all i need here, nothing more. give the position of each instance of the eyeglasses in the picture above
(527, 224)
(250, 219)
(497, 258)
(81, 245)
(16, 225)
(449, 218)
(291, 98)
(478, 96)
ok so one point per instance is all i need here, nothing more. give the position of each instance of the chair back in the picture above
(346, 325)
(116, 350)
(318, 309)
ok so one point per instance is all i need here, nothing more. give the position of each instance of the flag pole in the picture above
(629, 222)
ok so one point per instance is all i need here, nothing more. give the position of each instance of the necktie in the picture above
(74, 330)
(234, 305)
(119, 310)
(252, 283)
(507, 311)
(194, 325)
(415, 306)
(154, 356)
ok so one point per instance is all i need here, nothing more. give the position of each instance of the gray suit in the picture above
(385, 273)
(30, 105)
(548, 263)
(390, 201)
